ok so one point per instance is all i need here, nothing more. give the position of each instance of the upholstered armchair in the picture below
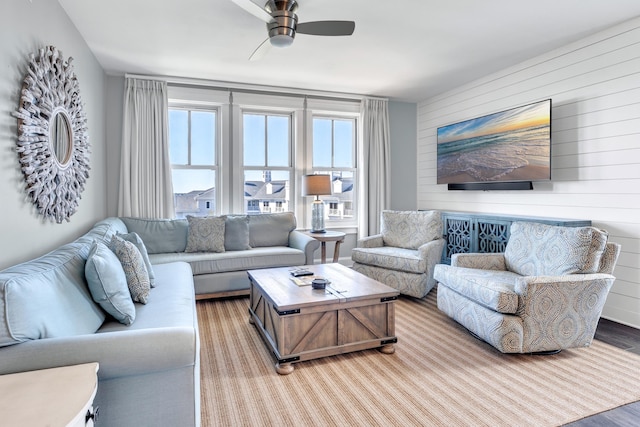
(545, 293)
(405, 252)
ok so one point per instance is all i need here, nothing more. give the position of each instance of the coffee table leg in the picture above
(284, 368)
(387, 349)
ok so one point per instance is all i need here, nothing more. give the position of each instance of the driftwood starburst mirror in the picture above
(52, 143)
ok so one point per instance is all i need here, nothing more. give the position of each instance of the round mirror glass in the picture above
(61, 139)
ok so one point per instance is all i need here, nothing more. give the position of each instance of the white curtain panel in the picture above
(145, 169)
(376, 160)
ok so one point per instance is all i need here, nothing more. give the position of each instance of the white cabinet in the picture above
(49, 397)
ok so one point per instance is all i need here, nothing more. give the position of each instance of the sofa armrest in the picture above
(572, 304)
(122, 353)
(305, 243)
(489, 261)
(374, 241)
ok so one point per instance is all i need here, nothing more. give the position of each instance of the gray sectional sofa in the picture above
(250, 241)
(150, 370)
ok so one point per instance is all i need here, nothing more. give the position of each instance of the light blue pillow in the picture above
(160, 235)
(138, 243)
(236, 233)
(134, 268)
(108, 283)
(271, 229)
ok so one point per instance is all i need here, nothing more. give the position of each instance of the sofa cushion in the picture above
(212, 262)
(137, 241)
(108, 283)
(236, 233)
(271, 229)
(392, 258)
(490, 288)
(206, 234)
(536, 249)
(48, 297)
(134, 269)
(410, 229)
(160, 235)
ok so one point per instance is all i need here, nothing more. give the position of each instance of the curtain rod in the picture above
(253, 88)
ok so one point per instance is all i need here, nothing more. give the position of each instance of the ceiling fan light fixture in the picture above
(281, 40)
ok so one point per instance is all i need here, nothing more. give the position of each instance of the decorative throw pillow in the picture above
(410, 229)
(236, 233)
(134, 268)
(160, 236)
(137, 241)
(271, 229)
(206, 234)
(108, 283)
(536, 249)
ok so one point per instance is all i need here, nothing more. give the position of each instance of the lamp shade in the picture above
(316, 185)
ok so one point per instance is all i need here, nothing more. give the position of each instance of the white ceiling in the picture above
(406, 50)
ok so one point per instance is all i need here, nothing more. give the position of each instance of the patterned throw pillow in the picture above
(206, 234)
(134, 268)
(536, 249)
(108, 283)
(410, 229)
(137, 241)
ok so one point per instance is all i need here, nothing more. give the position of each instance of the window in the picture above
(194, 165)
(334, 153)
(245, 151)
(266, 142)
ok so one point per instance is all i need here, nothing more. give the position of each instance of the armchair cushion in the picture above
(410, 229)
(391, 258)
(490, 288)
(536, 249)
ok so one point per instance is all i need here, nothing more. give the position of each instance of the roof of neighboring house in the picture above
(258, 190)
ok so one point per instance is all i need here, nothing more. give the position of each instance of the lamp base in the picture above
(317, 217)
(318, 231)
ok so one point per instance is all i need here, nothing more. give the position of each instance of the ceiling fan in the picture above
(282, 24)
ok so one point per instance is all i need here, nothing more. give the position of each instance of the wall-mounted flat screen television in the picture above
(508, 146)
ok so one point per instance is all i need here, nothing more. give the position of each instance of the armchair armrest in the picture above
(432, 250)
(571, 304)
(374, 241)
(489, 261)
(305, 243)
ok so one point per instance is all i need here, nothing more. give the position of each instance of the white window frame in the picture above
(232, 102)
(217, 146)
(209, 99)
(337, 111)
(290, 150)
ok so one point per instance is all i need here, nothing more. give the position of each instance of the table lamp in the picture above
(317, 185)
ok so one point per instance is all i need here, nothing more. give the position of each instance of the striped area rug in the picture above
(438, 376)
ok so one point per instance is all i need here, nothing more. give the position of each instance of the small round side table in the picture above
(328, 236)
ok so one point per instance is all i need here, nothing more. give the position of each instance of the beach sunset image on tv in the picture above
(512, 145)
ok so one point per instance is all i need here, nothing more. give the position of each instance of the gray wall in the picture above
(24, 28)
(403, 124)
(594, 87)
(114, 100)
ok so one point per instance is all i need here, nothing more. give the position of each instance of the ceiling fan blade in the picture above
(261, 50)
(254, 9)
(326, 28)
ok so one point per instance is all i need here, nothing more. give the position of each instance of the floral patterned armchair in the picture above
(405, 253)
(545, 293)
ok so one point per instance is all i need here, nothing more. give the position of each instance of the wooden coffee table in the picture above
(299, 323)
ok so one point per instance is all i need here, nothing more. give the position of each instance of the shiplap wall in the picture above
(594, 85)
